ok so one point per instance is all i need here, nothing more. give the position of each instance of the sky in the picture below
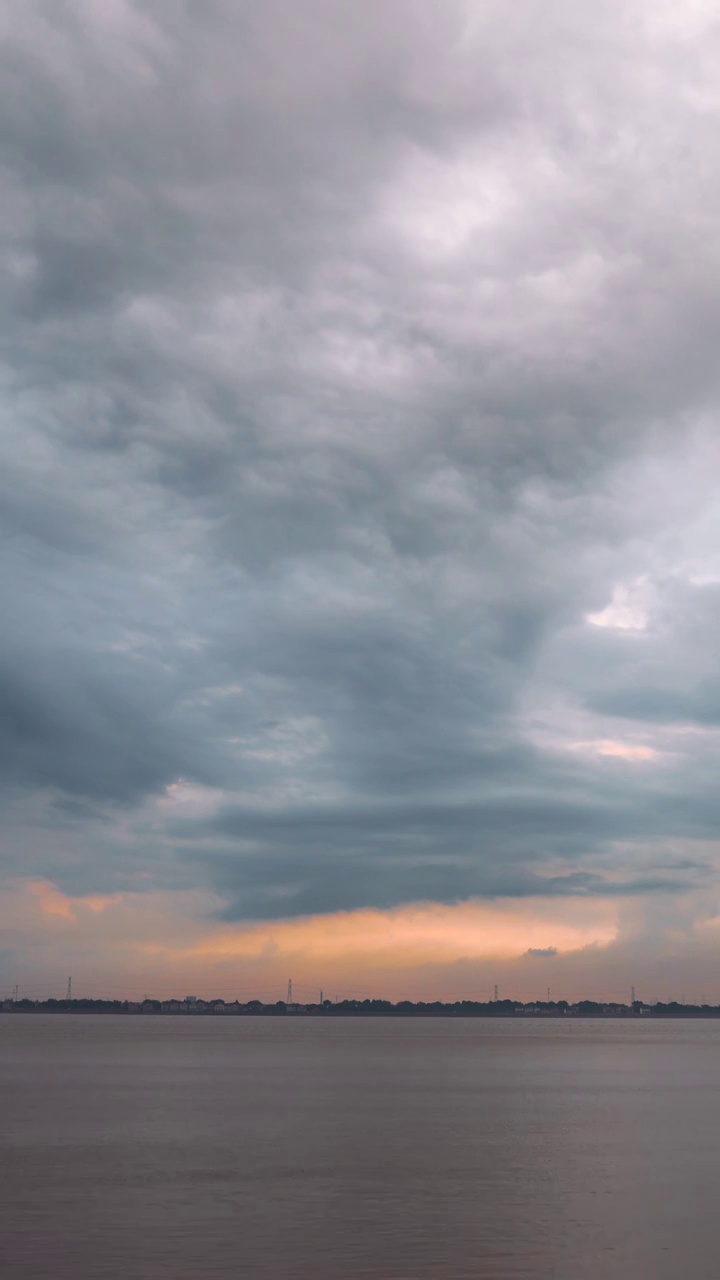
(359, 452)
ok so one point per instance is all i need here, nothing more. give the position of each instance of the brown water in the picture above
(296, 1149)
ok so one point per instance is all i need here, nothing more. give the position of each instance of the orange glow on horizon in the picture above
(412, 935)
(170, 941)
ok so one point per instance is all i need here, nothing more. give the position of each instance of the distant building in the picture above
(191, 999)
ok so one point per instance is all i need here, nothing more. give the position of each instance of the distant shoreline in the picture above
(361, 1009)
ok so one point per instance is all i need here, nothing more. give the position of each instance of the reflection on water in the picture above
(295, 1149)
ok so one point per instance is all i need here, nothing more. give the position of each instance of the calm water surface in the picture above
(296, 1149)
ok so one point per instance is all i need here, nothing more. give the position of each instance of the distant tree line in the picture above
(372, 1008)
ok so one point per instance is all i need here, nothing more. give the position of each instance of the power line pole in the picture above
(321, 996)
(69, 990)
(289, 993)
(632, 995)
(15, 994)
(495, 994)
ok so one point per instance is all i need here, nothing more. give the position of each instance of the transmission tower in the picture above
(495, 994)
(289, 994)
(632, 995)
(69, 990)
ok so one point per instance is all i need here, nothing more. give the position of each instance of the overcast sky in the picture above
(360, 540)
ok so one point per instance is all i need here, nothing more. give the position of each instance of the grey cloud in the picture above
(668, 677)
(638, 702)
(343, 351)
(541, 953)
(95, 732)
(280, 862)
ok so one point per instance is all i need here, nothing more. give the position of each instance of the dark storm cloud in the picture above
(351, 359)
(281, 862)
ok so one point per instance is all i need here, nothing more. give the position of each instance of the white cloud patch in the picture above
(628, 609)
(618, 750)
